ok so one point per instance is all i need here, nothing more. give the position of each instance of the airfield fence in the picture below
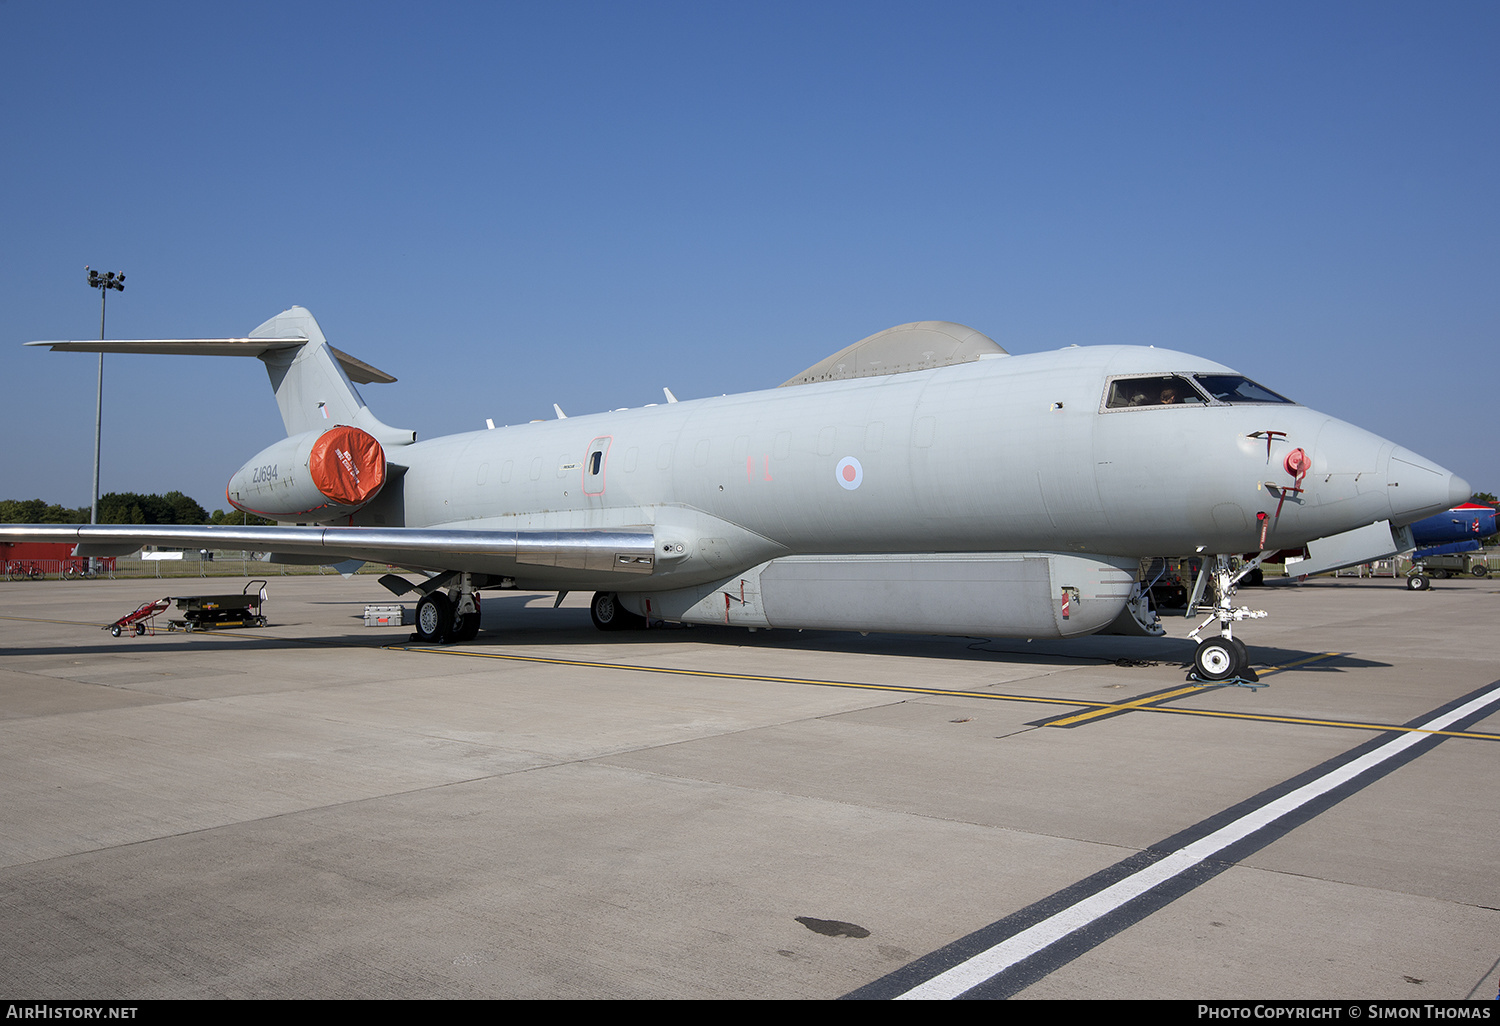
(219, 563)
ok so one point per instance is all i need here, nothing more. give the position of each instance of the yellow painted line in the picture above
(1096, 709)
(1105, 710)
(990, 696)
(1163, 696)
(1299, 662)
(761, 678)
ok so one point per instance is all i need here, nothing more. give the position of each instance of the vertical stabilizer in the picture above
(312, 388)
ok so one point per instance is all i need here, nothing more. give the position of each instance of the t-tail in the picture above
(333, 460)
(313, 381)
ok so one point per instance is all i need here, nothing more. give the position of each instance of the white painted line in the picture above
(969, 974)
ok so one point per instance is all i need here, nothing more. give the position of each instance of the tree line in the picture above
(123, 508)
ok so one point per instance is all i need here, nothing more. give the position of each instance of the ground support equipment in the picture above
(141, 621)
(212, 612)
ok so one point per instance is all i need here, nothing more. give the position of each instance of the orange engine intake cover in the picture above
(347, 465)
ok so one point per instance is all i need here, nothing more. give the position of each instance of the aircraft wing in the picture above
(629, 551)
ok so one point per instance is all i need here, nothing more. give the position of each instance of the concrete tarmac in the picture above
(317, 809)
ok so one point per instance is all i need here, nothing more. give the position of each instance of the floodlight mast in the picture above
(102, 282)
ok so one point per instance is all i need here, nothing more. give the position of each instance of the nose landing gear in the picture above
(1224, 659)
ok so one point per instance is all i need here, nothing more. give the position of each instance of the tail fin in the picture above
(314, 382)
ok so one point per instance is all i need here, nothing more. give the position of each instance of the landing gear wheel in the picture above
(1479, 570)
(1417, 582)
(434, 617)
(606, 612)
(467, 626)
(609, 615)
(1219, 658)
(1244, 660)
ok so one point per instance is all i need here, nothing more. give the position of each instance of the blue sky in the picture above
(509, 205)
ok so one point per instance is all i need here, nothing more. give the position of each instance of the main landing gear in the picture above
(449, 617)
(1225, 658)
(609, 615)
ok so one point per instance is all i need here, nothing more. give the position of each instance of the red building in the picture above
(48, 557)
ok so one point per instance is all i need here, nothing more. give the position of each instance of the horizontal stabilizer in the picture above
(359, 372)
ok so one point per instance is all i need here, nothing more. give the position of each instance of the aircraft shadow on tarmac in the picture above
(1081, 651)
(519, 621)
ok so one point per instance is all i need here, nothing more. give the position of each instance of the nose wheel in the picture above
(1225, 658)
(1219, 659)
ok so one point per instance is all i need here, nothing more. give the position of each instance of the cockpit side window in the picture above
(1232, 388)
(1160, 390)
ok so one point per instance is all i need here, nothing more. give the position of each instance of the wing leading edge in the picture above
(495, 552)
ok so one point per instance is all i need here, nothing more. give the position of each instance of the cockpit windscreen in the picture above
(1232, 388)
(1162, 390)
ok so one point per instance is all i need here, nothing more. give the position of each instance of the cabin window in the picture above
(1233, 388)
(1158, 390)
(781, 448)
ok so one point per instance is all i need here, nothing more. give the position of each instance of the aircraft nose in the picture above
(1419, 487)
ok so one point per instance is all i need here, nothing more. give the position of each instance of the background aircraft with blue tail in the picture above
(1461, 529)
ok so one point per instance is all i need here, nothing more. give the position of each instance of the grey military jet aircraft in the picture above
(920, 480)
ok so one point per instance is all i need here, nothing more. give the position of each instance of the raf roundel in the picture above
(849, 473)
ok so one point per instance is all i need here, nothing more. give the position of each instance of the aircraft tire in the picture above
(604, 610)
(608, 615)
(434, 617)
(1417, 582)
(1244, 651)
(1479, 570)
(466, 627)
(1218, 659)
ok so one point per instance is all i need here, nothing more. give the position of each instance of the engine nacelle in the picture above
(311, 476)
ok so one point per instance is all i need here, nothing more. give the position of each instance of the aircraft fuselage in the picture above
(1014, 453)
